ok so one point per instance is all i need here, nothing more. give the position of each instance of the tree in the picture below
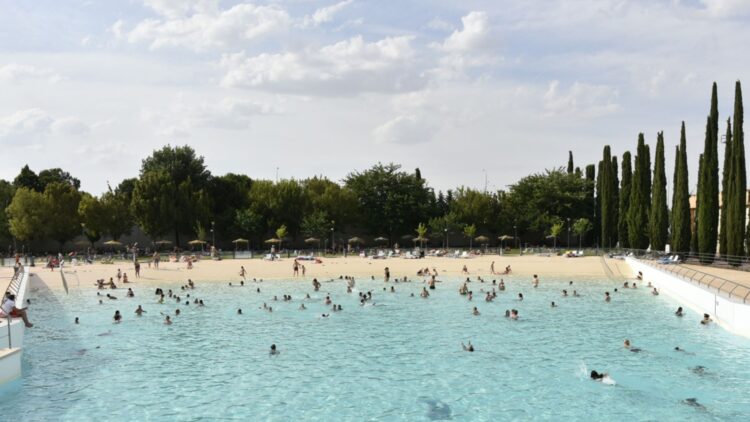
(27, 214)
(659, 218)
(681, 226)
(708, 187)
(171, 192)
(119, 218)
(57, 175)
(248, 222)
(444, 225)
(470, 230)
(581, 227)
(228, 193)
(555, 232)
(27, 179)
(392, 201)
(640, 197)
(61, 201)
(608, 199)
(94, 217)
(471, 206)
(570, 162)
(315, 224)
(737, 189)
(7, 191)
(421, 233)
(281, 233)
(724, 190)
(624, 200)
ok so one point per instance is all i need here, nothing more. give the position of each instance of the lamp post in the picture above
(515, 235)
(445, 230)
(568, 244)
(213, 233)
(333, 241)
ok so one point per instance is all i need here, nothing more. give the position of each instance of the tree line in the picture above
(175, 197)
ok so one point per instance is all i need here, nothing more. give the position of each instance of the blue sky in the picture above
(310, 87)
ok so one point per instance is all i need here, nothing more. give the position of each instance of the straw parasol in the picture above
(356, 239)
(381, 239)
(240, 240)
(482, 239)
(312, 240)
(113, 243)
(197, 242)
(163, 242)
(82, 242)
(272, 240)
(505, 237)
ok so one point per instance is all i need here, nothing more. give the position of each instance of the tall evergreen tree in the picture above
(615, 198)
(598, 205)
(625, 185)
(659, 219)
(606, 204)
(640, 197)
(681, 232)
(570, 162)
(708, 187)
(724, 188)
(737, 189)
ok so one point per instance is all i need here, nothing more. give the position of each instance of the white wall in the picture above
(733, 316)
(10, 364)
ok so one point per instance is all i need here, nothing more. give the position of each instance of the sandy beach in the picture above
(85, 276)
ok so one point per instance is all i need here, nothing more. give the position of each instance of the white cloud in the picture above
(324, 14)
(405, 129)
(473, 36)
(35, 121)
(727, 8)
(581, 99)
(14, 72)
(440, 25)
(181, 119)
(345, 68)
(202, 25)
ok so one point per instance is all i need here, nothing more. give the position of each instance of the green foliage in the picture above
(724, 190)
(392, 201)
(27, 214)
(62, 221)
(570, 162)
(57, 175)
(27, 179)
(316, 224)
(640, 197)
(608, 203)
(681, 226)
(94, 217)
(581, 227)
(7, 191)
(624, 200)
(659, 218)
(737, 187)
(708, 187)
(171, 193)
(470, 230)
(472, 206)
(248, 222)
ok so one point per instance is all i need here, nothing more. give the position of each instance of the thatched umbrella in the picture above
(273, 240)
(238, 241)
(421, 240)
(195, 242)
(503, 238)
(113, 243)
(381, 239)
(163, 242)
(482, 240)
(356, 239)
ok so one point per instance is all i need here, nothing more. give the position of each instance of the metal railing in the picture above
(729, 289)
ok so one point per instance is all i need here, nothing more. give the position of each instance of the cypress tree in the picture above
(598, 205)
(625, 183)
(724, 188)
(590, 200)
(640, 197)
(658, 219)
(681, 232)
(615, 200)
(570, 162)
(737, 187)
(606, 200)
(708, 187)
(578, 172)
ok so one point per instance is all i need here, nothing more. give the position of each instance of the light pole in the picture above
(568, 244)
(333, 241)
(213, 233)
(515, 235)
(445, 230)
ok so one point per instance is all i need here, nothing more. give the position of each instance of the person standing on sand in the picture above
(156, 259)
(242, 272)
(492, 268)
(295, 268)
(137, 266)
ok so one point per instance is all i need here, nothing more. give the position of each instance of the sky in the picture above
(474, 93)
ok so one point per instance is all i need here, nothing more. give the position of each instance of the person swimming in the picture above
(607, 297)
(552, 305)
(596, 376)
(514, 314)
(475, 311)
(706, 319)
(302, 307)
(627, 345)
(274, 351)
(425, 294)
(117, 317)
(139, 311)
(167, 320)
(678, 312)
(467, 348)
(520, 296)
(239, 311)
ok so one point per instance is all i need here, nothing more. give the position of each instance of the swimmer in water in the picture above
(302, 307)
(535, 282)
(514, 314)
(607, 298)
(678, 312)
(469, 348)
(626, 344)
(552, 305)
(239, 311)
(167, 320)
(425, 294)
(117, 317)
(655, 292)
(139, 311)
(475, 311)
(273, 350)
(706, 319)
(76, 320)
(597, 376)
(520, 296)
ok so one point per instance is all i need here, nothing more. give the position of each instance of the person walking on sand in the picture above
(492, 268)
(242, 272)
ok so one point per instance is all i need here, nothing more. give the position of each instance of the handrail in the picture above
(13, 285)
(682, 272)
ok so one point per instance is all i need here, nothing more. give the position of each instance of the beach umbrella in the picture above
(505, 237)
(273, 240)
(163, 242)
(113, 243)
(240, 240)
(312, 240)
(381, 239)
(356, 239)
(482, 239)
(197, 242)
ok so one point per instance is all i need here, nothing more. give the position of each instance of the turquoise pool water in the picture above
(399, 361)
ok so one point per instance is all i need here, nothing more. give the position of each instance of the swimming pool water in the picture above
(399, 361)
